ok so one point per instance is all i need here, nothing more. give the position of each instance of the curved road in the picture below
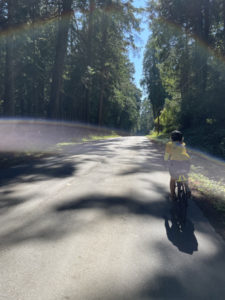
(94, 223)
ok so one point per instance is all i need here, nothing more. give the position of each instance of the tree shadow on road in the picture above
(37, 170)
(33, 169)
(28, 172)
(67, 218)
(64, 219)
(149, 159)
(114, 205)
(184, 240)
(64, 165)
(57, 167)
(7, 202)
(50, 165)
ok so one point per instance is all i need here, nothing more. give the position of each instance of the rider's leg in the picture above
(172, 188)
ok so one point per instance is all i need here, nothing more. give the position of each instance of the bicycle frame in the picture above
(181, 190)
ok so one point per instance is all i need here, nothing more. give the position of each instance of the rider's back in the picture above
(176, 151)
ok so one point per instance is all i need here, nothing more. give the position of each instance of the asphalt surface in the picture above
(95, 223)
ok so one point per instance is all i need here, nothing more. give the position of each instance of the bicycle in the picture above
(183, 194)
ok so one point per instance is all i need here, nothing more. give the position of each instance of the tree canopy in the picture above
(184, 63)
(67, 59)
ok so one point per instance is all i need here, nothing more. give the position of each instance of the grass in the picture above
(213, 191)
(206, 185)
(209, 195)
(87, 138)
(99, 137)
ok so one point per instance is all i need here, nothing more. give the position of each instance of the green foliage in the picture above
(185, 55)
(92, 72)
(169, 116)
(208, 138)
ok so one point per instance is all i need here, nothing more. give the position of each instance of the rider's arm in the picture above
(167, 152)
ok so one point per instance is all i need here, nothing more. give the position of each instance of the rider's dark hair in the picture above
(176, 136)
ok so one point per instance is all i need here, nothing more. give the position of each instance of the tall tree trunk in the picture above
(89, 61)
(9, 94)
(158, 123)
(184, 77)
(224, 27)
(35, 13)
(102, 78)
(206, 30)
(61, 46)
(100, 110)
(201, 59)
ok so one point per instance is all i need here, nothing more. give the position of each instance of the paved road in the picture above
(95, 224)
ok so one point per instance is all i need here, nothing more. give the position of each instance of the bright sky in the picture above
(140, 40)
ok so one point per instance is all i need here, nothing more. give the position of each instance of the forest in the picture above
(68, 60)
(184, 69)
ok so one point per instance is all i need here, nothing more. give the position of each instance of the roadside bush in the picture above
(169, 118)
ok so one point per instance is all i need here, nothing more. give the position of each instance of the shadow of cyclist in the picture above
(184, 239)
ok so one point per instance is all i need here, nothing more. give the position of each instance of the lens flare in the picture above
(41, 23)
(18, 30)
(203, 46)
(21, 135)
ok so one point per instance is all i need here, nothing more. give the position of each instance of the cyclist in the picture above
(178, 158)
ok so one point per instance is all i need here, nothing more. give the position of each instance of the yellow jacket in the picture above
(176, 151)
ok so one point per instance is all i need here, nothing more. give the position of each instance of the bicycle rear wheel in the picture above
(182, 202)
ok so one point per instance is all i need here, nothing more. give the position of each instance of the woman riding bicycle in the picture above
(178, 158)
